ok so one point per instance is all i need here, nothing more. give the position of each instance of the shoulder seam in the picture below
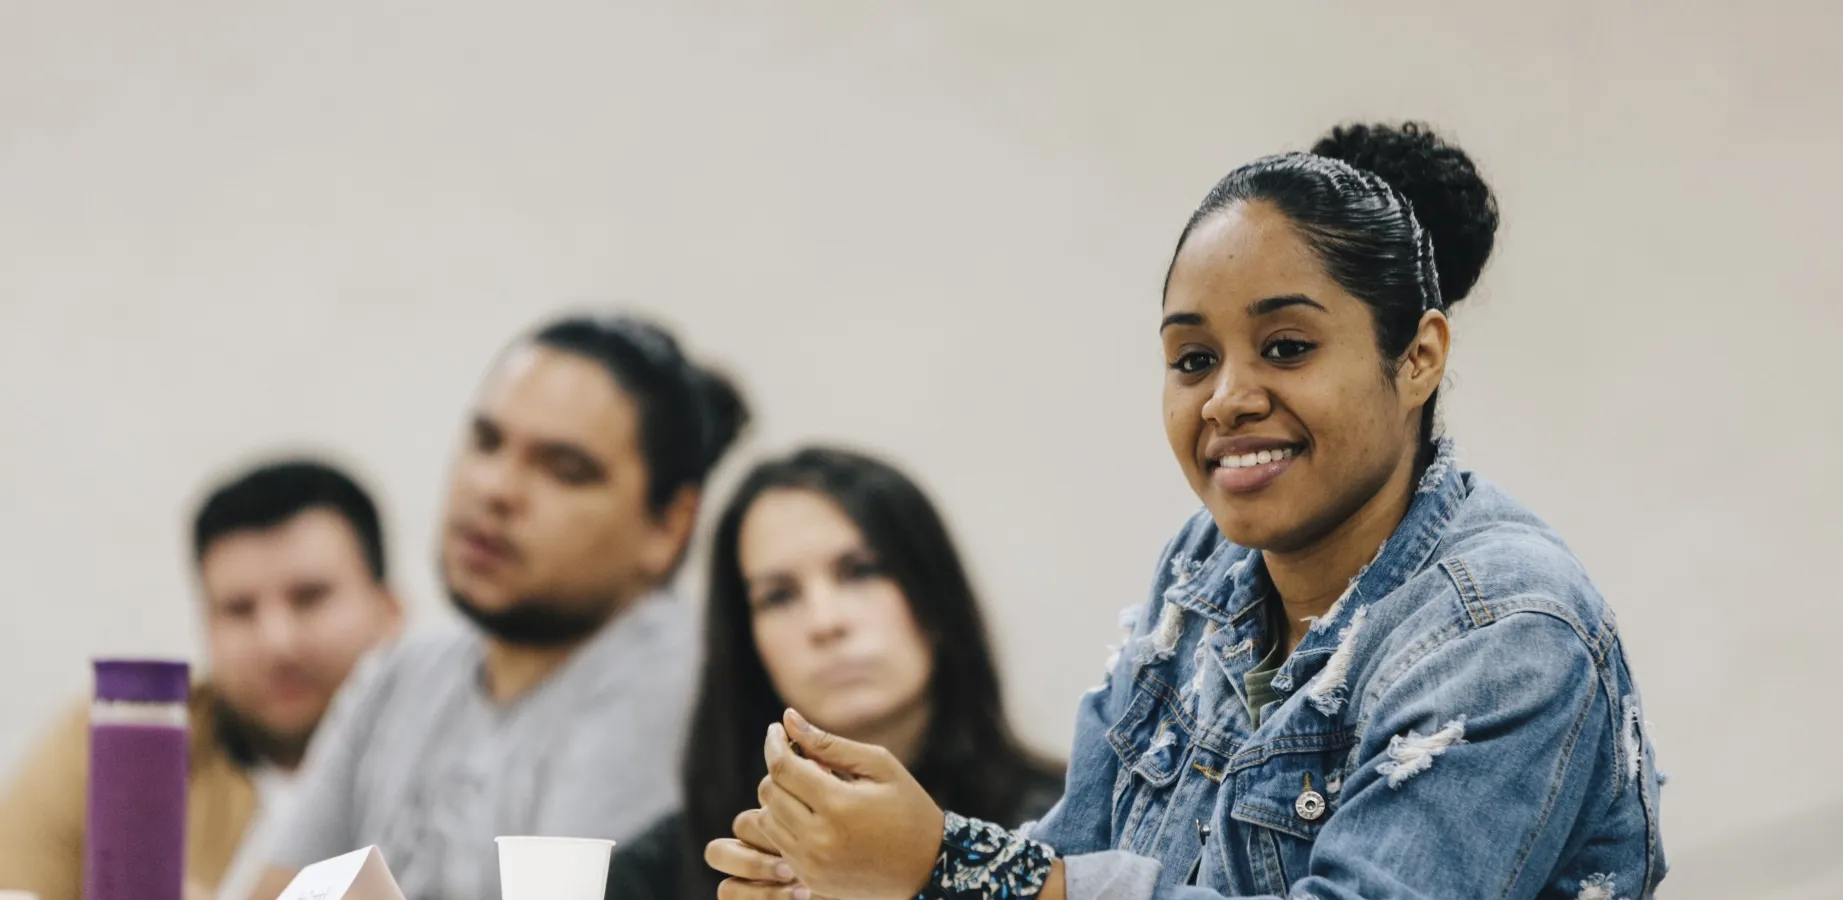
(1599, 635)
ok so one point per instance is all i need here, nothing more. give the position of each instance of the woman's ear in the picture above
(1423, 364)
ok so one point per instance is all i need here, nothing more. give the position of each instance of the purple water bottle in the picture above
(135, 847)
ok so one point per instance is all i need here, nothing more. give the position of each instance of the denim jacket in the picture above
(1460, 724)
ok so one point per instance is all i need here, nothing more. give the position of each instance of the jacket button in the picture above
(1311, 804)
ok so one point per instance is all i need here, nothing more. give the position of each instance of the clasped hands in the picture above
(837, 819)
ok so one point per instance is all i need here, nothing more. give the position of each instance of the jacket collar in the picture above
(1232, 583)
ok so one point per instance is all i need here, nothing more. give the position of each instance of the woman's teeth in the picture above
(1256, 459)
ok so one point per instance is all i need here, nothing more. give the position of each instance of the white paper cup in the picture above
(553, 868)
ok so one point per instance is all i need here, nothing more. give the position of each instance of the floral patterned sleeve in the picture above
(982, 860)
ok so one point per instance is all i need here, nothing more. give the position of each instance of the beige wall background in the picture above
(938, 230)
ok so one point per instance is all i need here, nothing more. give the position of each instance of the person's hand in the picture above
(750, 860)
(847, 818)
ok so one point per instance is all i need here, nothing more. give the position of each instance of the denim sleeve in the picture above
(1081, 822)
(1473, 767)
(1080, 825)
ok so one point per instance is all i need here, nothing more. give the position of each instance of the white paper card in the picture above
(359, 875)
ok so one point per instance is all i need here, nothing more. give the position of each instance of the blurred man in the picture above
(558, 706)
(290, 560)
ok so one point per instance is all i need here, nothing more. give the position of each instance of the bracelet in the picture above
(982, 860)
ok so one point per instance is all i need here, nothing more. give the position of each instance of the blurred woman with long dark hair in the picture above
(836, 590)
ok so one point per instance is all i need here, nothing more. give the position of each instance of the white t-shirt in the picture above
(274, 792)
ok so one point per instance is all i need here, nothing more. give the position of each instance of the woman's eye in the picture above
(773, 599)
(859, 571)
(1286, 349)
(1193, 362)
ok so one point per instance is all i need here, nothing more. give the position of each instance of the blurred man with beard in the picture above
(290, 561)
(570, 505)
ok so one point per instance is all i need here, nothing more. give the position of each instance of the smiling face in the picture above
(1279, 406)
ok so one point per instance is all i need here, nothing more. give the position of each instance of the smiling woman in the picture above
(1362, 671)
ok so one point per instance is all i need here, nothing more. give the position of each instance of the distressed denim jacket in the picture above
(1460, 724)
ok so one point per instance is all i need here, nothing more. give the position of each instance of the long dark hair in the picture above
(970, 762)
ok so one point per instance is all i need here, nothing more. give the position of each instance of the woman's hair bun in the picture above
(1439, 180)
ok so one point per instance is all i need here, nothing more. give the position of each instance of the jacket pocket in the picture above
(1148, 740)
(1287, 793)
(1151, 743)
